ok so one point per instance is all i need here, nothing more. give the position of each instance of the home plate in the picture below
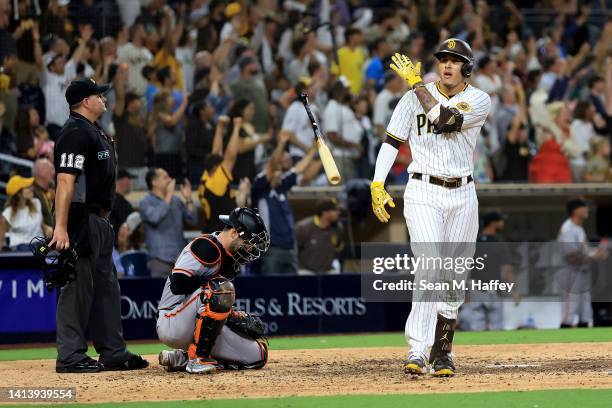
(511, 365)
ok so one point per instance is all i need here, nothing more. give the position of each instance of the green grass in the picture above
(531, 399)
(370, 340)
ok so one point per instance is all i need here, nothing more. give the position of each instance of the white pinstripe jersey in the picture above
(448, 154)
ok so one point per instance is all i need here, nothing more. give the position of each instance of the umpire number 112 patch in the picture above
(70, 160)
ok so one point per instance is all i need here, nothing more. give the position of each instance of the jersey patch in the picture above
(103, 155)
(464, 107)
(205, 251)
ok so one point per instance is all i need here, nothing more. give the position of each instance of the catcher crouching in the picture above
(196, 316)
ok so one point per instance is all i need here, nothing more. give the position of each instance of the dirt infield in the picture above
(339, 371)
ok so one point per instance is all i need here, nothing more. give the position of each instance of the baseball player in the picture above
(575, 272)
(442, 121)
(195, 312)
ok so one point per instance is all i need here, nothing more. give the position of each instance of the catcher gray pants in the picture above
(92, 304)
(176, 327)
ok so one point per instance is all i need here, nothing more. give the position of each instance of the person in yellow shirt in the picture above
(351, 60)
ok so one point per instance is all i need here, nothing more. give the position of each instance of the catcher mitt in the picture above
(246, 324)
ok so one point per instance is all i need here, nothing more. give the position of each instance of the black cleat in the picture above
(89, 365)
(443, 366)
(135, 362)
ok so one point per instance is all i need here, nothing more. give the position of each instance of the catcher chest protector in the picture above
(217, 300)
(461, 49)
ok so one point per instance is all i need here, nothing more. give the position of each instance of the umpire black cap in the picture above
(458, 48)
(82, 88)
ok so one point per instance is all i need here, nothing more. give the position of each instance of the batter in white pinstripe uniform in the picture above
(441, 121)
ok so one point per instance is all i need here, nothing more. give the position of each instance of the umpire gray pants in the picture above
(92, 304)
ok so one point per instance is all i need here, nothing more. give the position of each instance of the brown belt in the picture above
(446, 183)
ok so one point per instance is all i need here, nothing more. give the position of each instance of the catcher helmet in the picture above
(461, 49)
(253, 232)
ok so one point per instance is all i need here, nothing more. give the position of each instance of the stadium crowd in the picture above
(205, 95)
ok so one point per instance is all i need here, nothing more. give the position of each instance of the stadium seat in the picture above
(135, 264)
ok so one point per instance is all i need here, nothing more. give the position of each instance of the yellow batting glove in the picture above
(403, 66)
(380, 198)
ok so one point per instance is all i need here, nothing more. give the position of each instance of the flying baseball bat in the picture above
(329, 164)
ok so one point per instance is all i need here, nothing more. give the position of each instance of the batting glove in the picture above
(403, 66)
(380, 198)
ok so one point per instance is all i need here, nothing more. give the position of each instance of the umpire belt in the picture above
(443, 182)
(99, 211)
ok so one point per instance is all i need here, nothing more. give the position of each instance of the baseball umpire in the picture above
(442, 122)
(195, 311)
(85, 166)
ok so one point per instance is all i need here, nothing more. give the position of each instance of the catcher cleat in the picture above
(173, 360)
(415, 366)
(443, 366)
(200, 365)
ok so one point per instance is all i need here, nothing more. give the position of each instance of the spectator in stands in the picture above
(363, 165)
(517, 150)
(22, 219)
(131, 133)
(596, 94)
(320, 239)
(166, 82)
(44, 188)
(269, 195)
(131, 234)
(235, 21)
(215, 194)
(379, 53)
(32, 139)
(598, 165)
(163, 215)
(121, 206)
(185, 53)
(248, 87)
(297, 126)
(351, 59)
(137, 56)
(303, 47)
(166, 132)
(343, 129)
(7, 144)
(56, 20)
(549, 165)
(507, 112)
(250, 140)
(219, 95)
(57, 73)
(383, 105)
(172, 26)
(583, 131)
(199, 138)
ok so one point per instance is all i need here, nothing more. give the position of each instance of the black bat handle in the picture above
(313, 122)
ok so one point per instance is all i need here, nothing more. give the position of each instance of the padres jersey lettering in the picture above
(443, 155)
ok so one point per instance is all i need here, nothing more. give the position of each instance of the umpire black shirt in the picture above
(83, 149)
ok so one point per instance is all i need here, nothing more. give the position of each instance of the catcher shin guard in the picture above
(217, 299)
